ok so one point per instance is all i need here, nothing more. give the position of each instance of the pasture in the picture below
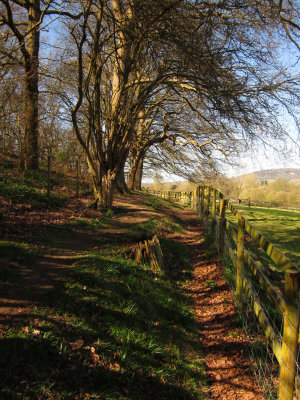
(281, 227)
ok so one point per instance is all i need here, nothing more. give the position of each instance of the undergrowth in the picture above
(30, 188)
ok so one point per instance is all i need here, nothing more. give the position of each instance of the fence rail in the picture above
(266, 204)
(233, 241)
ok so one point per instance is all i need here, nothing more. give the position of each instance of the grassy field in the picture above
(281, 227)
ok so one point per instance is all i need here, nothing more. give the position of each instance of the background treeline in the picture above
(273, 192)
(279, 192)
(125, 87)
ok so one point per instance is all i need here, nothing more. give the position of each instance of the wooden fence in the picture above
(266, 204)
(231, 238)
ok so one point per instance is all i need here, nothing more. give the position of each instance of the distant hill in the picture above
(289, 174)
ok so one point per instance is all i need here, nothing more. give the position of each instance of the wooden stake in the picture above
(222, 226)
(49, 183)
(77, 178)
(202, 203)
(240, 260)
(213, 211)
(213, 206)
(207, 202)
(290, 337)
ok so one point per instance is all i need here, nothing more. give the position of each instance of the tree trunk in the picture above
(108, 185)
(104, 191)
(136, 171)
(130, 182)
(137, 184)
(121, 185)
(32, 89)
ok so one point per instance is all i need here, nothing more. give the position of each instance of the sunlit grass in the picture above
(155, 226)
(158, 203)
(30, 188)
(281, 227)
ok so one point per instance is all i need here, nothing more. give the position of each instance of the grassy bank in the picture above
(109, 328)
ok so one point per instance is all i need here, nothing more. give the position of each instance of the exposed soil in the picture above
(228, 366)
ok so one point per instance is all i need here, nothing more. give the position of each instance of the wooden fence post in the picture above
(207, 202)
(213, 210)
(193, 199)
(290, 337)
(77, 178)
(202, 203)
(198, 201)
(48, 181)
(222, 223)
(240, 260)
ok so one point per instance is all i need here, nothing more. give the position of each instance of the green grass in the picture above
(110, 330)
(281, 227)
(91, 223)
(31, 188)
(154, 226)
(158, 203)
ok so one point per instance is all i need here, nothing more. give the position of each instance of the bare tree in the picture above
(216, 59)
(21, 23)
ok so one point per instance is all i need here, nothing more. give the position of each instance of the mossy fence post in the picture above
(194, 200)
(198, 201)
(48, 181)
(213, 210)
(207, 202)
(290, 337)
(240, 261)
(202, 203)
(222, 224)
(77, 178)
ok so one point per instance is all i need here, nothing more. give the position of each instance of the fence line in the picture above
(277, 313)
(266, 204)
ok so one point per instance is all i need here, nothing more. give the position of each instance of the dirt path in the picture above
(228, 367)
(224, 345)
(39, 275)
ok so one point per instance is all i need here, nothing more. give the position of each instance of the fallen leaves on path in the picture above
(225, 345)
